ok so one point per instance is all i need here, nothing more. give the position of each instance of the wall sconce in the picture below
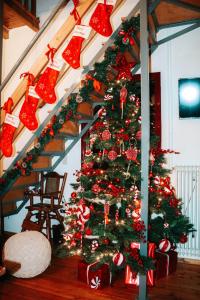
(189, 97)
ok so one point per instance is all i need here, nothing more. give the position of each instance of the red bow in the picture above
(30, 77)
(123, 67)
(51, 52)
(75, 13)
(8, 106)
(127, 35)
(96, 83)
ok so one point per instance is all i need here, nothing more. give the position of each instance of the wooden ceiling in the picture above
(17, 14)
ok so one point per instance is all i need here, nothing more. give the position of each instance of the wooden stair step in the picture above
(16, 195)
(70, 128)
(85, 109)
(43, 163)
(24, 181)
(54, 147)
(98, 96)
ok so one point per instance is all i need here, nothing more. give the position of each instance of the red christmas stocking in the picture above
(72, 52)
(8, 129)
(28, 109)
(45, 86)
(100, 19)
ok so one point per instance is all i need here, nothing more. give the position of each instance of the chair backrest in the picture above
(53, 182)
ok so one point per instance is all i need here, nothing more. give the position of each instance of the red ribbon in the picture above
(96, 83)
(8, 105)
(75, 13)
(30, 77)
(127, 35)
(51, 52)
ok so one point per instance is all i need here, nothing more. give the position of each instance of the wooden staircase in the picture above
(18, 13)
(55, 147)
(175, 12)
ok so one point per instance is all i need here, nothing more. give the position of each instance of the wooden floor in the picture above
(59, 282)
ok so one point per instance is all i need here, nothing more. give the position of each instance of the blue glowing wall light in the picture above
(189, 98)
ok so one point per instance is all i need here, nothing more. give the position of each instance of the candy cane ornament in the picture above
(83, 215)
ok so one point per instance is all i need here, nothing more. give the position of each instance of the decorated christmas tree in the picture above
(103, 220)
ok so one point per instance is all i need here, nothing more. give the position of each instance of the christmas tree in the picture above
(103, 219)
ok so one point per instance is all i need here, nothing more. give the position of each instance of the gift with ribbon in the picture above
(166, 263)
(132, 277)
(95, 276)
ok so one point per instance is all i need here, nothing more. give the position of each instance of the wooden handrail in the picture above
(57, 42)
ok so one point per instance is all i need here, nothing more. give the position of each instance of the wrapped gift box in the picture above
(96, 277)
(132, 277)
(166, 263)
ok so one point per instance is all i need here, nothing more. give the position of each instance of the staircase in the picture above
(18, 13)
(162, 14)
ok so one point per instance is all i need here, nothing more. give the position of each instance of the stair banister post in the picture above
(145, 141)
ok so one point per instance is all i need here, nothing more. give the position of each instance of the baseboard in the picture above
(189, 261)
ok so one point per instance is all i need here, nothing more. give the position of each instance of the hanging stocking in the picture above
(100, 20)
(28, 109)
(45, 86)
(72, 52)
(8, 129)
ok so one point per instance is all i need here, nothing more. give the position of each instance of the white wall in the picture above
(177, 59)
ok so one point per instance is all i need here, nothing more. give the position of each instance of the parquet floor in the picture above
(59, 282)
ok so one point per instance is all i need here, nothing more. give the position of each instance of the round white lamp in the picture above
(27, 254)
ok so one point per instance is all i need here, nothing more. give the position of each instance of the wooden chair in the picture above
(48, 207)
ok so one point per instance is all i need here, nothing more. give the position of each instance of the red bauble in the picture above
(91, 207)
(106, 241)
(164, 245)
(51, 132)
(106, 135)
(88, 231)
(96, 188)
(131, 154)
(88, 152)
(183, 239)
(118, 259)
(138, 135)
(174, 202)
(112, 155)
(73, 195)
(77, 235)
